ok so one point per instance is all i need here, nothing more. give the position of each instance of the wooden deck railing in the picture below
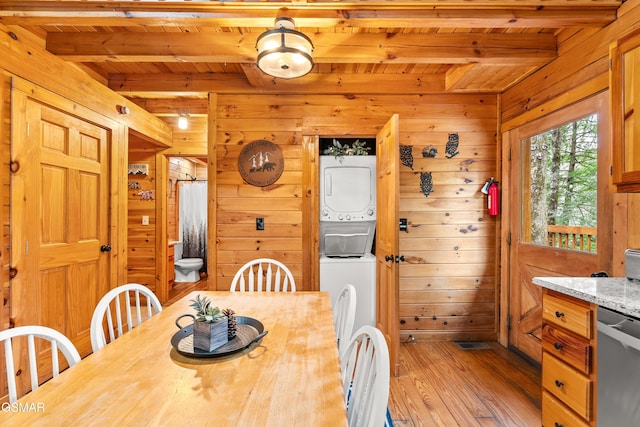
(570, 237)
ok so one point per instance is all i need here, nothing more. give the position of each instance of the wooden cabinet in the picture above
(171, 273)
(568, 374)
(625, 121)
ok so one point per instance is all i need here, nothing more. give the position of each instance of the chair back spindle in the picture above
(117, 305)
(263, 275)
(58, 342)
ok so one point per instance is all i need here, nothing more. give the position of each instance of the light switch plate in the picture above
(145, 219)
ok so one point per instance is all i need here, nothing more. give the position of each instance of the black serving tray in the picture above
(249, 331)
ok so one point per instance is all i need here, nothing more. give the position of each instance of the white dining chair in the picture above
(119, 303)
(365, 370)
(344, 315)
(263, 274)
(58, 342)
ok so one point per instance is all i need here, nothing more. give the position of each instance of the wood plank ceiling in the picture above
(152, 50)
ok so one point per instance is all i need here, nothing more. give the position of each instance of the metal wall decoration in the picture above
(146, 195)
(138, 169)
(406, 156)
(429, 151)
(134, 185)
(426, 183)
(452, 146)
(261, 163)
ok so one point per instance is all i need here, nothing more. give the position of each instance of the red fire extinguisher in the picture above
(493, 198)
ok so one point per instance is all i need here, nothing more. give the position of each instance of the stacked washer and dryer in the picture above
(347, 230)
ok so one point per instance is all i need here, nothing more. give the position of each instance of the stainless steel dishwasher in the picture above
(618, 369)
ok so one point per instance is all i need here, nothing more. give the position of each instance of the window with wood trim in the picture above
(559, 189)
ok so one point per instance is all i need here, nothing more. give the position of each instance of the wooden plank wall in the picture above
(242, 119)
(448, 285)
(141, 250)
(581, 70)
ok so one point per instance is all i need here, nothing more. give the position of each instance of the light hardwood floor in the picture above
(443, 385)
(179, 290)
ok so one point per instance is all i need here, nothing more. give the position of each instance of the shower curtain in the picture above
(193, 220)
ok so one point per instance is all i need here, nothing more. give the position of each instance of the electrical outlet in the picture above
(145, 219)
(259, 223)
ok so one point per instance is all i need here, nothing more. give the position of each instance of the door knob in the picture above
(388, 257)
(399, 258)
(105, 248)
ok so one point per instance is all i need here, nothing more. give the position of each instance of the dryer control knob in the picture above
(348, 217)
(370, 212)
(340, 217)
(325, 212)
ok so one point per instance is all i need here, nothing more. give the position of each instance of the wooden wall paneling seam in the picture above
(212, 179)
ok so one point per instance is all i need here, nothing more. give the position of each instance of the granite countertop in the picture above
(615, 293)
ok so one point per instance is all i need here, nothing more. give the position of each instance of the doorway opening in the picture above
(347, 205)
(187, 224)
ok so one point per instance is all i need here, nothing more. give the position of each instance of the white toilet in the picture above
(186, 269)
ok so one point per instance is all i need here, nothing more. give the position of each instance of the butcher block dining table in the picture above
(291, 377)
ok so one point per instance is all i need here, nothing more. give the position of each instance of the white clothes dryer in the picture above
(361, 273)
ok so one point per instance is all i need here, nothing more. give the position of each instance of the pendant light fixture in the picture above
(284, 52)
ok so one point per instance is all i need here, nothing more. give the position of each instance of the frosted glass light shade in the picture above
(284, 52)
(183, 121)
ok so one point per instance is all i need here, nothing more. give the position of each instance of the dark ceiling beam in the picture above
(361, 14)
(370, 48)
(188, 84)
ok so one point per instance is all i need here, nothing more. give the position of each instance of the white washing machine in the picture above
(361, 273)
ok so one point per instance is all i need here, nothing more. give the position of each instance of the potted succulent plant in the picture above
(210, 326)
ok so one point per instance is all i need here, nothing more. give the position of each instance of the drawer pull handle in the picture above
(557, 424)
(559, 383)
(558, 346)
(559, 314)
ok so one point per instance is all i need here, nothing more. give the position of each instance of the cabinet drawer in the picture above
(571, 349)
(572, 316)
(555, 414)
(568, 385)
